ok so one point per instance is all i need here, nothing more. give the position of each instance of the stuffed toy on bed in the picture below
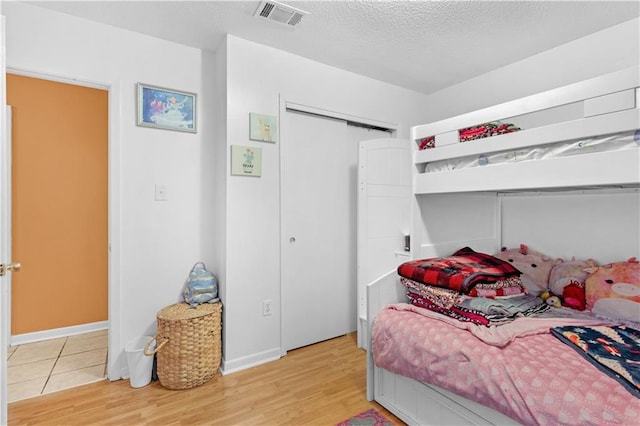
(613, 290)
(534, 266)
(567, 281)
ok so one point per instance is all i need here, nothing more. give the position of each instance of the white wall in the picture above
(564, 223)
(606, 51)
(256, 77)
(153, 244)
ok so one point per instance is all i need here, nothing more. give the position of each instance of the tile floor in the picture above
(52, 365)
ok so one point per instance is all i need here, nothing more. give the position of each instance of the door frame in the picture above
(113, 204)
(288, 103)
(7, 223)
(4, 282)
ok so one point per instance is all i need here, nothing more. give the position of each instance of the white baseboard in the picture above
(253, 360)
(54, 333)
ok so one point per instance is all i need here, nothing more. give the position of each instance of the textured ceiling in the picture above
(420, 45)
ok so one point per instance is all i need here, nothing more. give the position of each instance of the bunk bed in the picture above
(561, 156)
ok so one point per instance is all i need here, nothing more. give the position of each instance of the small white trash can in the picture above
(140, 365)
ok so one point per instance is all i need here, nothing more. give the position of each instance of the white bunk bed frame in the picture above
(606, 104)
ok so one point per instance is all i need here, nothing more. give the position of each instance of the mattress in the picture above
(612, 142)
(526, 374)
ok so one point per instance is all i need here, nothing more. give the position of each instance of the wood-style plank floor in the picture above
(321, 384)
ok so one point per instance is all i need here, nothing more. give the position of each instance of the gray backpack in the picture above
(201, 286)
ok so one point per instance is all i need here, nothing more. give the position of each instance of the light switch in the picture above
(161, 193)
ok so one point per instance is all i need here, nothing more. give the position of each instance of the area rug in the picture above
(367, 418)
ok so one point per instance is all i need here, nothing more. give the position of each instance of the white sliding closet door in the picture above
(319, 201)
(315, 229)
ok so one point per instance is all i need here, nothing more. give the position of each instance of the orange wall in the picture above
(59, 204)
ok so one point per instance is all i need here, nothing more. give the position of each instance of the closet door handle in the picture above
(292, 239)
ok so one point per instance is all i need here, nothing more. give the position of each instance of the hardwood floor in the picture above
(321, 384)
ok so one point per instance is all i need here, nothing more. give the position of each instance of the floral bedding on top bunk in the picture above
(558, 343)
(493, 128)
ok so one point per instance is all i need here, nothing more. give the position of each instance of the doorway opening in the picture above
(60, 232)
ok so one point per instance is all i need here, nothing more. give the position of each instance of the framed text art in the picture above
(246, 161)
(167, 109)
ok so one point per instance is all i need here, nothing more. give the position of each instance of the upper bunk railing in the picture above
(598, 106)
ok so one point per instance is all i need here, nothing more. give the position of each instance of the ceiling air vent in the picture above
(281, 13)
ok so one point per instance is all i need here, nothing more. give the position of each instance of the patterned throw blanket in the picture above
(486, 130)
(459, 272)
(613, 350)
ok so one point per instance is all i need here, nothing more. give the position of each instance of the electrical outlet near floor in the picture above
(267, 307)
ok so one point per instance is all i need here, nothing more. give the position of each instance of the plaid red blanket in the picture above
(460, 271)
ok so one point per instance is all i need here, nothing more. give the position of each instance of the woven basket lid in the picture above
(182, 311)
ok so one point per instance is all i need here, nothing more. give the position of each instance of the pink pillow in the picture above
(613, 290)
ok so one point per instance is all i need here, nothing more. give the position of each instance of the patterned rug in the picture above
(368, 418)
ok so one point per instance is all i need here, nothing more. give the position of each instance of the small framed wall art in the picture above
(263, 128)
(246, 161)
(167, 109)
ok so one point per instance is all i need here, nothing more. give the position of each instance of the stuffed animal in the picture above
(550, 299)
(554, 301)
(573, 296)
(566, 280)
(534, 266)
(613, 290)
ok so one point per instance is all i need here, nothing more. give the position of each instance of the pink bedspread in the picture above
(534, 379)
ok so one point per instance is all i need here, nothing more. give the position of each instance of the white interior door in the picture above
(5, 227)
(315, 233)
(7, 265)
(5, 252)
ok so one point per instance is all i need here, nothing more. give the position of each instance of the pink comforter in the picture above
(529, 375)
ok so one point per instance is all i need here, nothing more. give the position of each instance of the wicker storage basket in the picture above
(188, 344)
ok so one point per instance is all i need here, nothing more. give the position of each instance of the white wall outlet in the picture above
(161, 193)
(267, 308)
